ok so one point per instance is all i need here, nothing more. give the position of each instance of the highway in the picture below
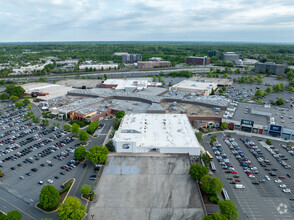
(110, 74)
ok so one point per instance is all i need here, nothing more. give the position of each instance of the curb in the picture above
(61, 202)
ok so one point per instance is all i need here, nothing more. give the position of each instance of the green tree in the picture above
(0, 172)
(80, 153)
(199, 136)
(110, 146)
(228, 209)
(26, 101)
(268, 141)
(211, 185)
(169, 84)
(14, 98)
(18, 104)
(280, 101)
(214, 216)
(15, 90)
(120, 114)
(83, 136)
(259, 101)
(258, 93)
(268, 90)
(92, 127)
(154, 78)
(205, 158)
(197, 171)
(4, 96)
(72, 209)
(116, 123)
(224, 125)
(277, 88)
(86, 189)
(29, 107)
(67, 127)
(49, 197)
(75, 128)
(36, 119)
(13, 215)
(97, 154)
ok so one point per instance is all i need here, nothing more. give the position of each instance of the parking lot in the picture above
(34, 155)
(263, 176)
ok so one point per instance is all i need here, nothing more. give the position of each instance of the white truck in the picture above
(239, 186)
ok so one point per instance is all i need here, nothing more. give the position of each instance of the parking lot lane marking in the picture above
(80, 180)
(17, 208)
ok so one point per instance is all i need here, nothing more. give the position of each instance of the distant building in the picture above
(152, 64)
(230, 57)
(198, 87)
(156, 59)
(138, 84)
(270, 67)
(164, 133)
(98, 66)
(214, 53)
(131, 58)
(71, 61)
(203, 61)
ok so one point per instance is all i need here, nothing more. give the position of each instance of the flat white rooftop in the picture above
(131, 83)
(54, 90)
(194, 85)
(158, 130)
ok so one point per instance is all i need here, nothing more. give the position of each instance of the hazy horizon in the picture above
(249, 21)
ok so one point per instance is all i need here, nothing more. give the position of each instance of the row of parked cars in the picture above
(278, 156)
(248, 167)
(225, 163)
(15, 130)
(10, 119)
(40, 144)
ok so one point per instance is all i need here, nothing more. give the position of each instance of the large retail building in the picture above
(164, 133)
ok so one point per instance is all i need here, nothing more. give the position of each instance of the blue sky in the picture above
(147, 20)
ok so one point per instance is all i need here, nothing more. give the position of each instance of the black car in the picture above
(42, 164)
(62, 173)
(28, 173)
(229, 178)
(34, 169)
(19, 165)
(13, 168)
(50, 164)
(56, 177)
(255, 183)
(288, 175)
(84, 165)
(232, 182)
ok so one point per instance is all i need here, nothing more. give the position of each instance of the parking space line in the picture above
(17, 208)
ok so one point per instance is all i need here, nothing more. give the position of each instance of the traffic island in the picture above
(63, 195)
(89, 197)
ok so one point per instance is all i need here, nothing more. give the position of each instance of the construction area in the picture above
(147, 186)
(191, 109)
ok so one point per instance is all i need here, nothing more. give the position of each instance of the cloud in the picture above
(217, 20)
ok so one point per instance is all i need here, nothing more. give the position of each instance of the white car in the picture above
(286, 190)
(50, 181)
(267, 177)
(283, 186)
(278, 181)
(40, 182)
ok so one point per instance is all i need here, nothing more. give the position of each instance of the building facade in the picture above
(152, 64)
(230, 57)
(203, 61)
(214, 53)
(131, 58)
(270, 67)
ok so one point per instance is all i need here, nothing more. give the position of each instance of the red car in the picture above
(2, 175)
(282, 177)
(62, 186)
(234, 172)
(237, 180)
